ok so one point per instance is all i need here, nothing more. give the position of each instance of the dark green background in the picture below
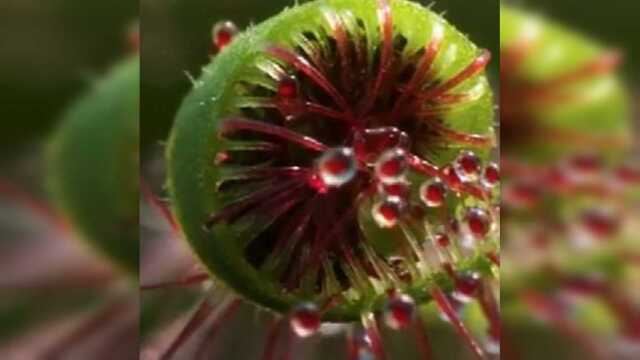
(50, 50)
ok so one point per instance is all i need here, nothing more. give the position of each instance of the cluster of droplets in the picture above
(401, 313)
(580, 206)
(391, 170)
(530, 187)
(382, 156)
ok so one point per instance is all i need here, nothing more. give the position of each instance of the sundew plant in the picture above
(332, 169)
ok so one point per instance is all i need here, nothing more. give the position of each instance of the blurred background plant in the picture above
(570, 212)
(59, 298)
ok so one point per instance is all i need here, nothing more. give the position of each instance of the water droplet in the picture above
(392, 166)
(467, 166)
(433, 193)
(600, 223)
(477, 223)
(337, 166)
(305, 320)
(288, 87)
(466, 286)
(386, 213)
(370, 143)
(522, 194)
(222, 34)
(399, 311)
(491, 175)
(442, 240)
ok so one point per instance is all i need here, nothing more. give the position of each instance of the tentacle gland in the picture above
(376, 138)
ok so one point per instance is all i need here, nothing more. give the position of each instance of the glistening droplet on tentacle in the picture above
(336, 167)
(222, 34)
(491, 175)
(399, 311)
(305, 319)
(468, 166)
(433, 193)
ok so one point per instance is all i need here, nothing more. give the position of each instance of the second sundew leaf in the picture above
(304, 144)
(93, 166)
(559, 90)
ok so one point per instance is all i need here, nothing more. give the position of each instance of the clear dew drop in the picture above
(467, 166)
(387, 212)
(392, 166)
(466, 286)
(491, 176)
(399, 311)
(305, 320)
(222, 34)
(337, 166)
(477, 223)
(288, 88)
(442, 240)
(433, 193)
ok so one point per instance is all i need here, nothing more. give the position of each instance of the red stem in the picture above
(187, 281)
(314, 74)
(197, 319)
(162, 208)
(447, 308)
(236, 124)
(422, 338)
(37, 206)
(472, 69)
(225, 315)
